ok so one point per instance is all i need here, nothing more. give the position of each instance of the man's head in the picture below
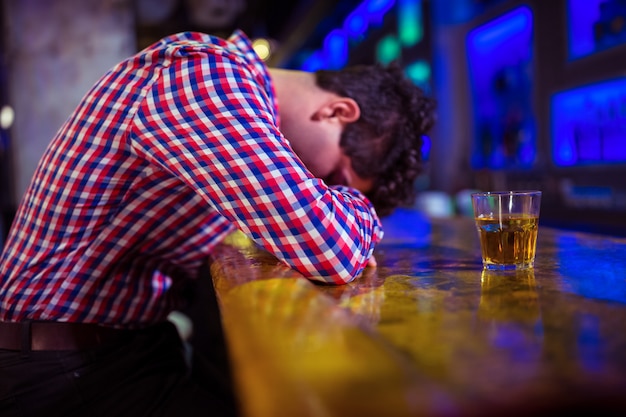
(361, 126)
(384, 144)
(312, 120)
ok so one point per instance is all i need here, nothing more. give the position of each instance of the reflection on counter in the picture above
(509, 296)
(409, 227)
(593, 270)
(428, 332)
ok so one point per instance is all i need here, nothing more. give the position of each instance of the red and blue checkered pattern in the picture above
(168, 152)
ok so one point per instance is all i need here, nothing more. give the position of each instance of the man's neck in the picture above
(293, 88)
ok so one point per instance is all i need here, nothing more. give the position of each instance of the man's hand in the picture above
(372, 262)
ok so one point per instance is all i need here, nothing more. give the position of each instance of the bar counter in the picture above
(428, 332)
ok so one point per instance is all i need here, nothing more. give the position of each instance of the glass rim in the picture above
(505, 193)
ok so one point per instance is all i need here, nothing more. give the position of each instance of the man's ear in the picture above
(343, 109)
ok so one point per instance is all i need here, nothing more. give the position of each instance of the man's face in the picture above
(317, 145)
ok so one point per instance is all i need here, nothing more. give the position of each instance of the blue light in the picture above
(407, 227)
(378, 7)
(356, 23)
(575, 258)
(589, 124)
(566, 153)
(375, 10)
(336, 48)
(426, 146)
(453, 11)
(501, 30)
(314, 62)
(581, 16)
(499, 55)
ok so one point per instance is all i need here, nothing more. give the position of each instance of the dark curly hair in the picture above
(385, 143)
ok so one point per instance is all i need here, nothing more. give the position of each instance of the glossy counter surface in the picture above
(428, 332)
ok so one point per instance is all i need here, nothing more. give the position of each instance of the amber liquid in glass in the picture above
(508, 242)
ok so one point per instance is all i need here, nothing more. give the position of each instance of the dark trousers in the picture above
(146, 375)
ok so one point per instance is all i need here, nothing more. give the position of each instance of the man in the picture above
(169, 152)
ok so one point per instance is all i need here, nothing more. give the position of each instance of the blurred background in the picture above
(531, 94)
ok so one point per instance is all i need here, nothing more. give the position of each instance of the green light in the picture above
(387, 49)
(418, 72)
(410, 28)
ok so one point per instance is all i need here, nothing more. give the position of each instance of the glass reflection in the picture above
(509, 296)
(510, 313)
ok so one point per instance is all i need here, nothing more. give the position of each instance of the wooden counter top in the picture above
(428, 332)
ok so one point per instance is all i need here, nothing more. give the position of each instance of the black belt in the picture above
(49, 335)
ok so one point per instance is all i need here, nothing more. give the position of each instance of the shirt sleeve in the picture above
(209, 121)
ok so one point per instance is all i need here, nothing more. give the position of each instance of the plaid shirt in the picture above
(163, 157)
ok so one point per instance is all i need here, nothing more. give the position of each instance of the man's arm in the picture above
(220, 137)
